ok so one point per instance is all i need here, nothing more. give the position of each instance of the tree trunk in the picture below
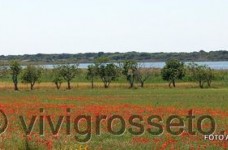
(170, 84)
(15, 82)
(68, 85)
(174, 85)
(131, 84)
(131, 80)
(58, 85)
(209, 83)
(31, 87)
(106, 85)
(200, 84)
(142, 84)
(15, 86)
(92, 83)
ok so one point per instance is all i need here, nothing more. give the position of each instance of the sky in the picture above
(79, 26)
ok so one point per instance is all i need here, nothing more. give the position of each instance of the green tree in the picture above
(92, 72)
(108, 73)
(172, 71)
(57, 77)
(142, 74)
(201, 73)
(210, 76)
(31, 74)
(129, 71)
(15, 69)
(69, 72)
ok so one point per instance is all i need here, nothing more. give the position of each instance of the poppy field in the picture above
(68, 119)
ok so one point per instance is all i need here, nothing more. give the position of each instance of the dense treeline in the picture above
(129, 71)
(221, 55)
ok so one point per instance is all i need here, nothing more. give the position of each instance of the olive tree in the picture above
(69, 72)
(31, 74)
(15, 69)
(57, 77)
(142, 74)
(92, 72)
(172, 71)
(201, 73)
(129, 68)
(108, 73)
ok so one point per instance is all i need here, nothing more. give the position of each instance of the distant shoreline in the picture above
(49, 59)
(217, 65)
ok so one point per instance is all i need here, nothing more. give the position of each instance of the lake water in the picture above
(213, 65)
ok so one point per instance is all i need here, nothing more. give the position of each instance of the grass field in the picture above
(159, 100)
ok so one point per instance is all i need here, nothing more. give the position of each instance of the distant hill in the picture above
(221, 55)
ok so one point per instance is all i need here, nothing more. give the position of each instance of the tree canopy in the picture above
(172, 71)
(31, 74)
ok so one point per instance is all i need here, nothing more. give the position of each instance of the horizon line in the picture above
(111, 52)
